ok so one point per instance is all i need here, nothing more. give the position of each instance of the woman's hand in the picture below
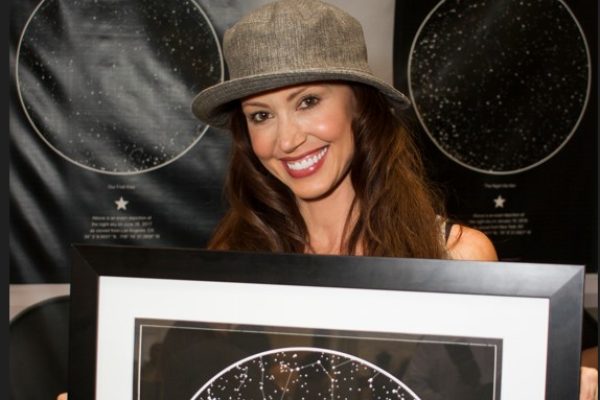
(588, 388)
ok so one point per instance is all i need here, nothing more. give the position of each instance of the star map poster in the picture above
(505, 105)
(103, 145)
(254, 362)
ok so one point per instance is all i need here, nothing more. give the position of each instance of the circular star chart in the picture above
(303, 373)
(108, 86)
(500, 86)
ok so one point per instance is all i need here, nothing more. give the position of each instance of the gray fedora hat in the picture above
(290, 42)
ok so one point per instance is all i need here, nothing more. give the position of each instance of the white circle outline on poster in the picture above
(447, 153)
(285, 350)
(200, 131)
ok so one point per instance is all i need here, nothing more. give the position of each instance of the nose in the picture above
(291, 134)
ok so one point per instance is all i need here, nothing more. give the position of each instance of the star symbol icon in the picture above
(499, 201)
(121, 203)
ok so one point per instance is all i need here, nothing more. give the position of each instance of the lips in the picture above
(305, 165)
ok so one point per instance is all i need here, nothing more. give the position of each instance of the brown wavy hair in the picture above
(398, 209)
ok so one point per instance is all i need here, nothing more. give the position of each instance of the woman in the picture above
(322, 160)
(325, 168)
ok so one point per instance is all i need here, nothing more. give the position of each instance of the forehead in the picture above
(289, 93)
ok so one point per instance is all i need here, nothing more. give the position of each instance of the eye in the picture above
(259, 116)
(309, 101)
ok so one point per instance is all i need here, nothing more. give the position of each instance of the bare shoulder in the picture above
(466, 243)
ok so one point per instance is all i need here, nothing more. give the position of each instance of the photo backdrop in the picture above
(104, 148)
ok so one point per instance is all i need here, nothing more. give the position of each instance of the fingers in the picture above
(588, 389)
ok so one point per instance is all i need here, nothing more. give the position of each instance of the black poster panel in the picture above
(505, 106)
(103, 145)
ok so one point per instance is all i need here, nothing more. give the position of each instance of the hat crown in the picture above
(294, 35)
(290, 42)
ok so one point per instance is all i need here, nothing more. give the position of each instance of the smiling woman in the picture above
(332, 164)
(303, 136)
(305, 140)
(322, 160)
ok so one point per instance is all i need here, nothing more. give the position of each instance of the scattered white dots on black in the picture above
(297, 373)
(500, 86)
(121, 77)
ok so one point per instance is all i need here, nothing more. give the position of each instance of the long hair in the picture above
(398, 209)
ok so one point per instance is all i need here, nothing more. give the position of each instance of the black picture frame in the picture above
(559, 287)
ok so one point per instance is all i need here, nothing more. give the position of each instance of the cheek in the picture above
(262, 146)
(333, 127)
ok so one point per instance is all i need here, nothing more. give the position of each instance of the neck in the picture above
(326, 218)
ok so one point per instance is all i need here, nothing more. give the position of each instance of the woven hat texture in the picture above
(289, 42)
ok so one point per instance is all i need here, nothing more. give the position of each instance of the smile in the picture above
(307, 165)
(307, 162)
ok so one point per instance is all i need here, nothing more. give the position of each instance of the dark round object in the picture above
(38, 346)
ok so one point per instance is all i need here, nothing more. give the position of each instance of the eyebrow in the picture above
(289, 98)
(297, 92)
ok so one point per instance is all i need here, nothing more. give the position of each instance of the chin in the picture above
(313, 193)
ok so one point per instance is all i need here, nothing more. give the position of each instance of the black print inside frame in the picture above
(202, 361)
(108, 85)
(500, 86)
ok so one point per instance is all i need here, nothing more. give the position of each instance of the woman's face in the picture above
(303, 135)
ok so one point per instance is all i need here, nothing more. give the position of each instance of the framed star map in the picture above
(154, 323)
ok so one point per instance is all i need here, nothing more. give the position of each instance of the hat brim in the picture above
(213, 105)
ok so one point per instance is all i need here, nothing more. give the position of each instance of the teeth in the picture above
(307, 162)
